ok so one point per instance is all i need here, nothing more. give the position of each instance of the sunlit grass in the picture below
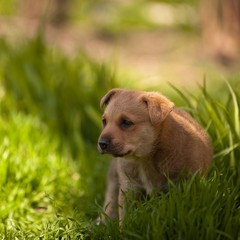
(38, 182)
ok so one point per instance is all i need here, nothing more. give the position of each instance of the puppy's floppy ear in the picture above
(158, 107)
(105, 100)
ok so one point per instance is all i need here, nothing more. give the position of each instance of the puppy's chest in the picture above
(140, 176)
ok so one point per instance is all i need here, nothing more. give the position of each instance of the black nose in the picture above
(104, 143)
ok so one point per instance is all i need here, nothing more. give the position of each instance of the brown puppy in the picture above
(150, 140)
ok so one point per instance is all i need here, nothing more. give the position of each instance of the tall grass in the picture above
(64, 92)
(51, 175)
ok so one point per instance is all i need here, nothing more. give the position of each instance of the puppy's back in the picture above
(199, 143)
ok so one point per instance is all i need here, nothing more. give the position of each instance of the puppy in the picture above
(150, 140)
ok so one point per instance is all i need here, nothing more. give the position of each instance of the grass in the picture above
(61, 91)
(52, 179)
(38, 184)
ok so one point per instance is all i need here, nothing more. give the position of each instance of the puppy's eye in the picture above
(126, 124)
(104, 122)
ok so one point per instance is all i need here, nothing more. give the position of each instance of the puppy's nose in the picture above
(104, 143)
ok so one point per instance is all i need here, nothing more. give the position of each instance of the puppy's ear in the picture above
(158, 107)
(105, 100)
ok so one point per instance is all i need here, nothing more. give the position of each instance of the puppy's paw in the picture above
(101, 220)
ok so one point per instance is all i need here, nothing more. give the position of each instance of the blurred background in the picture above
(59, 57)
(151, 41)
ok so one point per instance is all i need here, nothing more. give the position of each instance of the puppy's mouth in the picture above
(115, 152)
(122, 155)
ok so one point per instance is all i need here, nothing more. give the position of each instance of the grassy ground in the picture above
(52, 179)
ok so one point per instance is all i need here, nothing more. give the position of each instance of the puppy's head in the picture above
(130, 122)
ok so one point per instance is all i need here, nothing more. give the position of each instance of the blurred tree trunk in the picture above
(54, 12)
(220, 20)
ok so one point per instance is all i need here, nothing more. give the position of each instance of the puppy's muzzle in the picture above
(106, 145)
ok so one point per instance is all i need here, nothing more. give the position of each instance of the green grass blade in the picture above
(184, 97)
(236, 109)
(226, 151)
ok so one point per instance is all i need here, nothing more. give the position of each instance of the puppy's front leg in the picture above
(111, 197)
(121, 205)
(123, 202)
